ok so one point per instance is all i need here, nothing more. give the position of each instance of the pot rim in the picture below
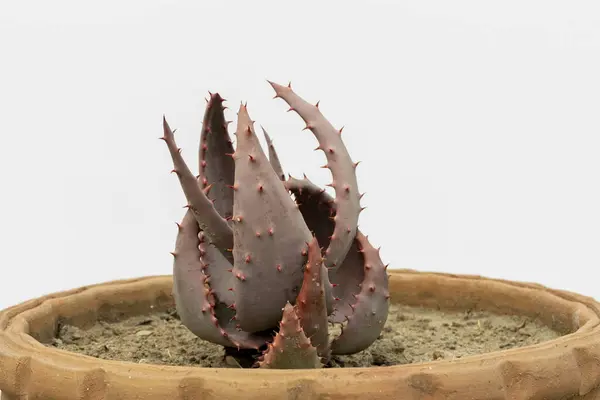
(568, 365)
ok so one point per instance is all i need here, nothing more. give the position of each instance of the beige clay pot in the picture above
(565, 368)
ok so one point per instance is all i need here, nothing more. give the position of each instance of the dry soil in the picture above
(411, 335)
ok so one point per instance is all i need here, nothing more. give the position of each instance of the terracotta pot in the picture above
(565, 368)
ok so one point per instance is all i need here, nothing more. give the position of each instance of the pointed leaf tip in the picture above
(291, 348)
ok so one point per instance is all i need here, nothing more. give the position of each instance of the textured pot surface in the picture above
(565, 368)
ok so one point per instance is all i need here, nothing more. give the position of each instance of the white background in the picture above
(476, 123)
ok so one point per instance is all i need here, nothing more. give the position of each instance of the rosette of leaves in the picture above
(265, 262)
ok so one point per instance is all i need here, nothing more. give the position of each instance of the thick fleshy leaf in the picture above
(270, 235)
(194, 300)
(317, 210)
(217, 230)
(310, 304)
(347, 278)
(342, 168)
(291, 349)
(316, 206)
(216, 165)
(370, 307)
(218, 271)
(216, 171)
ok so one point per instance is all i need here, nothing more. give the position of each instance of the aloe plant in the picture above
(258, 254)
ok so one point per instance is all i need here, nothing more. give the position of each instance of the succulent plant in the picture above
(258, 254)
